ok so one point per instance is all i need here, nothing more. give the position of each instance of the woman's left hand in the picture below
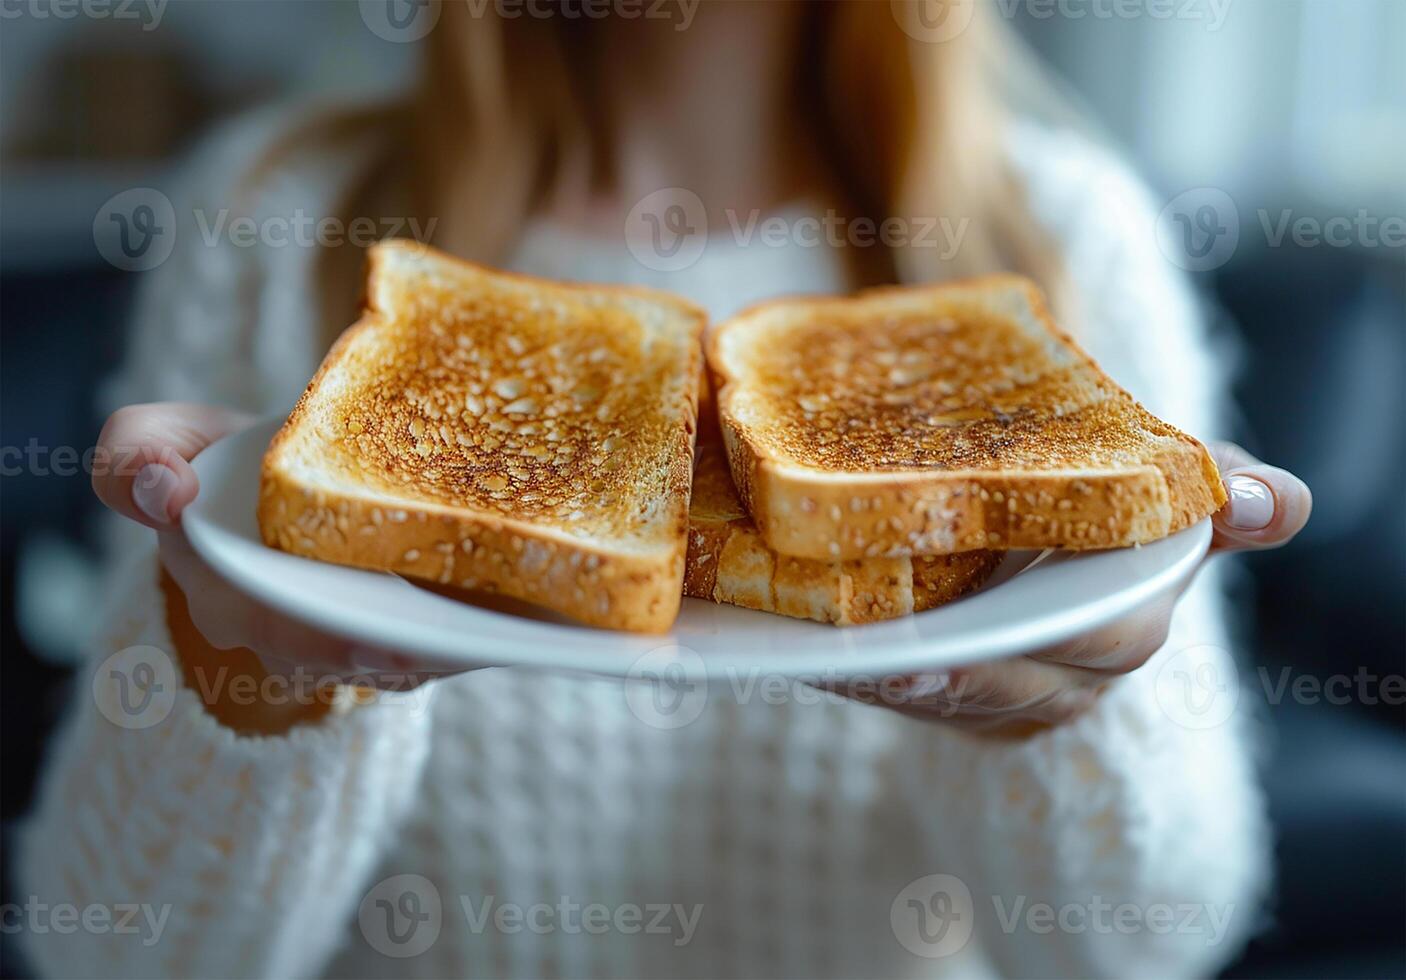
(1048, 687)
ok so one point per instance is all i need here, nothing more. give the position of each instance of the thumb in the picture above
(1267, 505)
(145, 453)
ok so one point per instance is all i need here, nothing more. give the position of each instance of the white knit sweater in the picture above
(537, 815)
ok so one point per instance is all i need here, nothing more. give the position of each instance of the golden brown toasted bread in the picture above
(499, 433)
(942, 419)
(729, 562)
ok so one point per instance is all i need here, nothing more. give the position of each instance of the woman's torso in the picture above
(767, 835)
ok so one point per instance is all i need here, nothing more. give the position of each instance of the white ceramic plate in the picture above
(1032, 600)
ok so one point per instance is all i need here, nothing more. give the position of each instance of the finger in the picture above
(229, 619)
(988, 697)
(1267, 505)
(1118, 647)
(219, 613)
(147, 449)
(396, 670)
(397, 683)
(356, 674)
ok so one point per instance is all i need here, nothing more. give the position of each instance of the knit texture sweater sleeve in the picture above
(1133, 842)
(245, 856)
(241, 855)
(1141, 824)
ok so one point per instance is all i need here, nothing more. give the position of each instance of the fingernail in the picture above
(1251, 503)
(152, 490)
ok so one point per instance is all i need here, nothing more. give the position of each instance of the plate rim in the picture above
(882, 654)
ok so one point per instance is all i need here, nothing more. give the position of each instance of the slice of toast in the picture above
(729, 562)
(499, 433)
(934, 420)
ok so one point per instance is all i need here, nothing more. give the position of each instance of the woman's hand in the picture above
(1022, 695)
(151, 482)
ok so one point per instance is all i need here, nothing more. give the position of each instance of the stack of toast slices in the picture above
(838, 459)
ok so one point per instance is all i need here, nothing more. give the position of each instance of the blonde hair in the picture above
(912, 129)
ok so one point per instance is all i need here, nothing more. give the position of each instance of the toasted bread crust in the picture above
(728, 561)
(639, 593)
(469, 545)
(811, 508)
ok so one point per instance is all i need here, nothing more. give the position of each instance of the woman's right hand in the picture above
(150, 480)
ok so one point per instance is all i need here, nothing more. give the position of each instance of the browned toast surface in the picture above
(499, 432)
(728, 561)
(942, 419)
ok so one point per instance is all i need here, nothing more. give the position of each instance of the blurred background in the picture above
(1293, 110)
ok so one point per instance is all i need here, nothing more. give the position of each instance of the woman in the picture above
(364, 835)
